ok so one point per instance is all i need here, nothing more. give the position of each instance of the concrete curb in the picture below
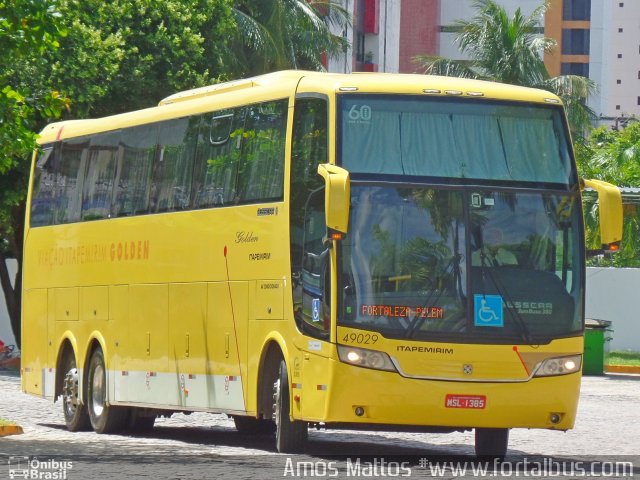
(6, 430)
(622, 369)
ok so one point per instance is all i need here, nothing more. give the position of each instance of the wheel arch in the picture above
(68, 345)
(274, 350)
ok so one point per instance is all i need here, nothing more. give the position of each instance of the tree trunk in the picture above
(13, 293)
(12, 296)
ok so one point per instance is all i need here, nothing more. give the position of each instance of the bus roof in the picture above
(282, 84)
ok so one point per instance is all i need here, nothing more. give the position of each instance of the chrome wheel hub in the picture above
(70, 392)
(98, 390)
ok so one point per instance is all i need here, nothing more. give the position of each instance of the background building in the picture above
(599, 39)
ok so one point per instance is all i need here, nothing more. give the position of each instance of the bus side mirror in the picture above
(337, 196)
(610, 201)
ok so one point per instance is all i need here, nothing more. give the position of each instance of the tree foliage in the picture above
(124, 55)
(281, 34)
(611, 155)
(509, 50)
(28, 28)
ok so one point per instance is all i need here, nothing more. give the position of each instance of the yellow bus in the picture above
(373, 251)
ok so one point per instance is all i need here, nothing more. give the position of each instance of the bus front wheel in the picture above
(104, 418)
(291, 435)
(75, 413)
(492, 442)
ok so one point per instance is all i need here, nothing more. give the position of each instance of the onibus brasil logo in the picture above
(34, 468)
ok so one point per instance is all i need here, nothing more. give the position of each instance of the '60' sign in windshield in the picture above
(359, 113)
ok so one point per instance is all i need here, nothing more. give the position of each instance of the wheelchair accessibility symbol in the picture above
(315, 310)
(488, 311)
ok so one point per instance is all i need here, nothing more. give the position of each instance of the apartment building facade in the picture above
(599, 39)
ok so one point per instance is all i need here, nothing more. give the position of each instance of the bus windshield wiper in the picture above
(417, 320)
(514, 314)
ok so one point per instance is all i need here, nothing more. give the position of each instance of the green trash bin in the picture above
(596, 340)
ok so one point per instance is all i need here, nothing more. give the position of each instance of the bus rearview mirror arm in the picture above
(610, 217)
(337, 197)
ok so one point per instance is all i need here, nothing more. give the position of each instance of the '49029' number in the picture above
(361, 338)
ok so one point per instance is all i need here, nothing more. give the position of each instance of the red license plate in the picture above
(465, 401)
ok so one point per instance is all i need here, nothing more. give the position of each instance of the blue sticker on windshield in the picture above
(488, 311)
(315, 309)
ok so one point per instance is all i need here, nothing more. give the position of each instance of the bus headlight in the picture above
(361, 357)
(559, 366)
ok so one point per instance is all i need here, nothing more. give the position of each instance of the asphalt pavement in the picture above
(204, 445)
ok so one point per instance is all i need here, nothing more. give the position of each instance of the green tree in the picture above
(27, 28)
(281, 34)
(125, 55)
(117, 56)
(509, 50)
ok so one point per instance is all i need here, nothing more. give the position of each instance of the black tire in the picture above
(75, 413)
(254, 426)
(291, 435)
(492, 442)
(104, 418)
(138, 423)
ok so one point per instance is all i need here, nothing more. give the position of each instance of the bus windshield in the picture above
(462, 139)
(464, 225)
(421, 263)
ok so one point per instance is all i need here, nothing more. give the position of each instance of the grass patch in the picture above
(624, 358)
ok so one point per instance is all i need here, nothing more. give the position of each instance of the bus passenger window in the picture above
(173, 168)
(217, 155)
(43, 190)
(69, 179)
(261, 168)
(133, 181)
(100, 175)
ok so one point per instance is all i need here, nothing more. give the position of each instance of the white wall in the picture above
(613, 294)
(343, 63)
(6, 334)
(388, 58)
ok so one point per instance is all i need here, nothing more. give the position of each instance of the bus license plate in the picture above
(465, 401)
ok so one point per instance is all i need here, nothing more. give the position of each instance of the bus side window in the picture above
(173, 168)
(261, 168)
(309, 148)
(100, 176)
(70, 179)
(135, 166)
(315, 278)
(217, 155)
(43, 191)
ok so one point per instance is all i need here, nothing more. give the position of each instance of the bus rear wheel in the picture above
(76, 417)
(291, 435)
(492, 442)
(104, 418)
